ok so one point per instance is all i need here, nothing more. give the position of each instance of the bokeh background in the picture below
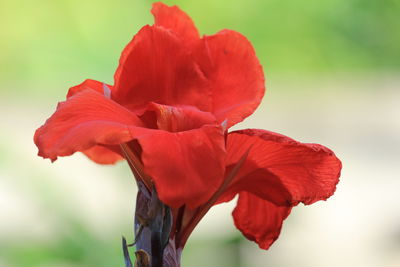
(332, 72)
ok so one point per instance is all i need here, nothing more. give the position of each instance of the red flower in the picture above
(175, 95)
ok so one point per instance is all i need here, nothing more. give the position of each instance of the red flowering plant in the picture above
(175, 95)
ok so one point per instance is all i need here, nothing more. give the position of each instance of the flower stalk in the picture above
(153, 224)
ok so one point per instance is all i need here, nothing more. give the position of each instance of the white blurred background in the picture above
(85, 204)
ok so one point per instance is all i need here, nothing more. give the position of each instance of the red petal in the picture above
(83, 121)
(187, 167)
(157, 67)
(176, 119)
(259, 220)
(281, 170)
(173, 18)
(229, 61)
(100, 154)
(104, 154)
(89, 85)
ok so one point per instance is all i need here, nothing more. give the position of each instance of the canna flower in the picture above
(175, 95)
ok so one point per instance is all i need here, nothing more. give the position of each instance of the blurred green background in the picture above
(61, 41)
(332, 72)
